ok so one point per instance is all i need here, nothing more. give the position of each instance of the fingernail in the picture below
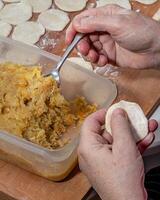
(120, 112)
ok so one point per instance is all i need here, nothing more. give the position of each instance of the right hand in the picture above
(117, 36)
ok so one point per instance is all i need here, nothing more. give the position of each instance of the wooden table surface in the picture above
(142, 87)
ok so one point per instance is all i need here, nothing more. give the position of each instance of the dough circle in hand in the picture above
(5, 29)
(39, 5)
(122, 3)
(54, 19)
(16, 13)
(28, 32)
(138, 120)
(81, 62)
(147, 1)
(71, 5)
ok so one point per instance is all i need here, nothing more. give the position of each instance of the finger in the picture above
(97, 19)
(92, 56)
(153, 125)
(94, 37)
(84, 46)
(70, 34)
(146, 142)
(107, 137)
(94, 122)
(121, 132)
(108, 10)
(97, 45)
(102, 61)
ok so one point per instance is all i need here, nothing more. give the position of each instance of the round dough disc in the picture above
(122, 3)
(16, 13)
(147, 1)
(5, 29)
(39, 5)
(138, 120)
(71, 5)
(81, 62)
(54, 19)
(28, 32)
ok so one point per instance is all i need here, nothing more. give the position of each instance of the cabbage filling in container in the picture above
(75, 81)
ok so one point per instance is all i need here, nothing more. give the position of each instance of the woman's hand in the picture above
(114, 166)
(117, 36)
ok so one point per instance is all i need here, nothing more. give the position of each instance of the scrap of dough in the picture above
(122, 3)
(138, 120)
(1, 4)
(71, 5)
(81, 62)
(54, 19)
(39, 5)
(156, 16)
(147, 1)
(16, 13)
(28, 32)
(5, 29)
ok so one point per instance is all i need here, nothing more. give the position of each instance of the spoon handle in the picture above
(69, 49)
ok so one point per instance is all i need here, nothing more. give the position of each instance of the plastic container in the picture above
(52, 164)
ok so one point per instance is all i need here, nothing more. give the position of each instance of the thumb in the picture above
(121, 131)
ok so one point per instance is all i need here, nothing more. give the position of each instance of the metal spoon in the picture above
(56, 72)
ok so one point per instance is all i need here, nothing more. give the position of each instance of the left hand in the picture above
(113, 165)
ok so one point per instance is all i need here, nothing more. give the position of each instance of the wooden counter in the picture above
(142, 87)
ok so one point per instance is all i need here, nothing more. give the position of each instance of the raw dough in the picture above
(5, 29)
(122, 3)
(54, 19)
(16, 13)
(138, 120)
(39, 5)
(81, 62)
(1, 4)
(28, 32)
(156, 16)
(147, 1)
(71, 5)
